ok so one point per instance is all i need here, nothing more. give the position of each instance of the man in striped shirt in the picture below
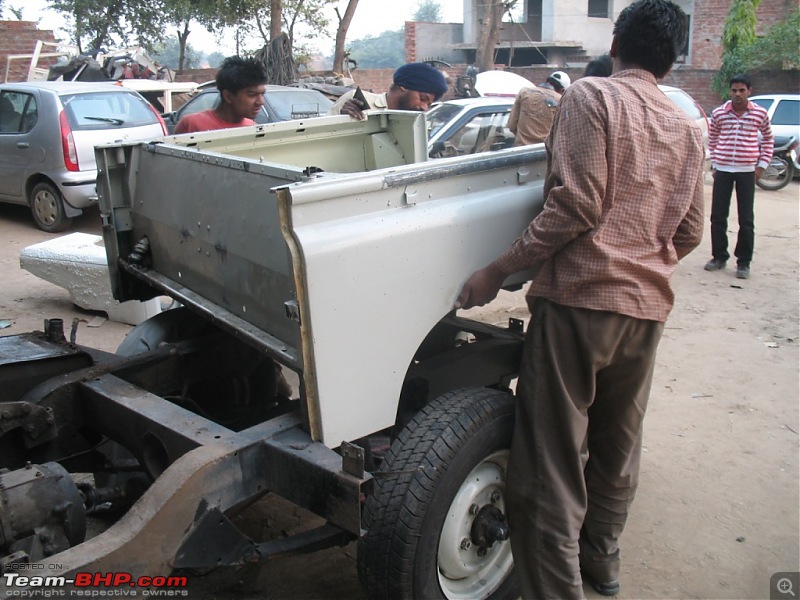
(623, 204)
(740, 140)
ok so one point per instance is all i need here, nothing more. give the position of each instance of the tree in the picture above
(16, 11)
(215, 59)
(211, 14)
(275, 19)
(384, 51)
(493, 11)
(428, 11)
(775, 50)
(100, 23)
(341, 34)
(170, 54)
(309, 14)
(740, 24)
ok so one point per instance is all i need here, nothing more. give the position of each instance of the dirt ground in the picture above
(717, 510)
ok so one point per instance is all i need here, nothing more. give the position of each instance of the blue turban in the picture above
(421, 77)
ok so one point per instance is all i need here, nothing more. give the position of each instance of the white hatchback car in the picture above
(48, 132)
(783, 111)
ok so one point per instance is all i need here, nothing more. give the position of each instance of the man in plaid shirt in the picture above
(741, 143)
(623, 204)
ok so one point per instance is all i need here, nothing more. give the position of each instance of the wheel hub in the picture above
(473, 554)
(489, 526)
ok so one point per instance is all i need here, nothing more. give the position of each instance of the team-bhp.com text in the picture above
(93, 585)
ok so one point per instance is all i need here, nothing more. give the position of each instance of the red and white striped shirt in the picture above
(739, 143)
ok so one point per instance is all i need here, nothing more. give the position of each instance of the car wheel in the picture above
(47, 207)
(436, 523)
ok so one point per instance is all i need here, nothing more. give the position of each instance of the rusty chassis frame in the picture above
(202, 471)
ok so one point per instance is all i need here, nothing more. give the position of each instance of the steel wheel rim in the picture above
(463, 575)
(45, 206)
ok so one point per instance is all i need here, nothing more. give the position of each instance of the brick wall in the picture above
(411, 41)
(698, 84)
(197, 75)
(20, 37)
(709, 22)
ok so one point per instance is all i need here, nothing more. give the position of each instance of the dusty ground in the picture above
(717, 509)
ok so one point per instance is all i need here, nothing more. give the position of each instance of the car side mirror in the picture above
(436, 149)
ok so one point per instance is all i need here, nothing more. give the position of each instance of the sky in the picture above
(372, 17)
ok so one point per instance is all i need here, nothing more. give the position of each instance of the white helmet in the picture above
(559, 78)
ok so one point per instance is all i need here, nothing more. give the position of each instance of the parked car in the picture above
(469, 125)
(281, 103)
(695, 112)
(48, 131)
(784, 116)
(783, 111)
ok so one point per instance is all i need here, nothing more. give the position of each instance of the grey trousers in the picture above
(574, 462)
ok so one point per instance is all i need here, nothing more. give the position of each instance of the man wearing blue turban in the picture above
(415, 87)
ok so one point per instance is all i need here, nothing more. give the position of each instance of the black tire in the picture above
(448, 462)
(777, 175)
(47, 208)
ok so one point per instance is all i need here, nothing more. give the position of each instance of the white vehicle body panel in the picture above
(375, 247)
(388, 266)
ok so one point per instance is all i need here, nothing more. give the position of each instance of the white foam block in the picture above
(77, 262)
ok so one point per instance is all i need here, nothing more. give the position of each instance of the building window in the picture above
(683, 55)
(516, 13)
(599, 9)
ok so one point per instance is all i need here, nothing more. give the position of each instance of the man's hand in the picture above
(759, 172)
(481, 288)
(355, 108)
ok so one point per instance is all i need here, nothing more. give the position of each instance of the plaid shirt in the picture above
(624, 199)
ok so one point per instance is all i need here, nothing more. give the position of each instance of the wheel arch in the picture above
(460, 353)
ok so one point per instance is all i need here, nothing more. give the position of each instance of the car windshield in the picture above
(764, 103)
(438, 116)
(104, 110)
(787, 113)
(298, 104)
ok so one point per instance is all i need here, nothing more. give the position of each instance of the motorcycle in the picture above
(783, 166)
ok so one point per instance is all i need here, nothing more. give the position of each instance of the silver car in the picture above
(281, 103)
(48, 131)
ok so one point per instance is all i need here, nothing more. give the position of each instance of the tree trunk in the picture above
(274, 19)
(341, 35)
(182, 37)
(490, 33)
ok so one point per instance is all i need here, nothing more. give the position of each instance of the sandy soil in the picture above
(717, 509)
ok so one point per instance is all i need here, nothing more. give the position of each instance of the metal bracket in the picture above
(352, 459)
(517, 325)
(410, 196)
(292, 310)
(214, 542)
(33, 419)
